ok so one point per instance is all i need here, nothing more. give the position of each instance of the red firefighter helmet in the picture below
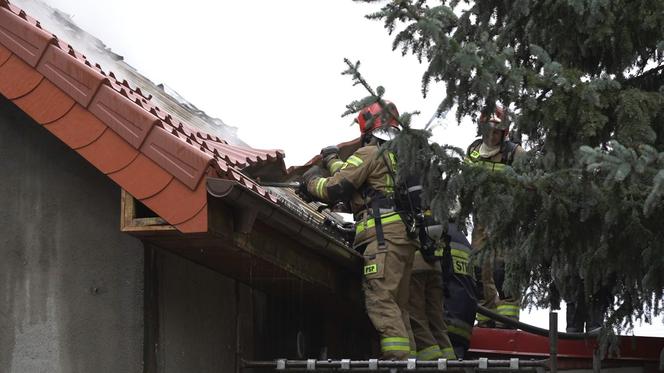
(376, 126)
(498, 119)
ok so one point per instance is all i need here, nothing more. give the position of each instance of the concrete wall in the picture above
(197, 316)
(71, 284)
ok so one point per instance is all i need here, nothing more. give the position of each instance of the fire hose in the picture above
(534, 329)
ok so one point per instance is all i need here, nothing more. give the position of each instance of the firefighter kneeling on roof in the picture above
(493, 152)
(367, 181)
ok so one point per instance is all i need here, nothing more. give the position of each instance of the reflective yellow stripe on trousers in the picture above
(395, 344)
(388, 218)
(461, 332)
(430, 353)
(509, 310)
(448, 353)
(479, 317)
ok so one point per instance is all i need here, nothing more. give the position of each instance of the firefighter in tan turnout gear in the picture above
(366, 180)
(493, 152)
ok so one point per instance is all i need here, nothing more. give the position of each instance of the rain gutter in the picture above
(249, 206)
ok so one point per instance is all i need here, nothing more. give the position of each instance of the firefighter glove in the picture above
(313, 172)
(329, 152)
(304, 193)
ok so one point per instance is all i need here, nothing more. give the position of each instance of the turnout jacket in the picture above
(357, 180)
(509, 151)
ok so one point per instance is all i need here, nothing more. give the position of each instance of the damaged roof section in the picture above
(61, 24)
(155, 146)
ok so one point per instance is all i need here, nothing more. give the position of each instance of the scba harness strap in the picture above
(379, 226)
(419, 222)
(381, 209)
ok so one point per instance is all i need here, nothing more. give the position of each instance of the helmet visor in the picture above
(385, 133)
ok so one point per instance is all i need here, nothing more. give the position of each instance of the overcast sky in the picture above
(272, 69)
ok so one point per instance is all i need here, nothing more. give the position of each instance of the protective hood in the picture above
(385, 133)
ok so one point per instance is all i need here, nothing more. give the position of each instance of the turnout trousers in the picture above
(427, 316)
(386, 286)
(493, 276)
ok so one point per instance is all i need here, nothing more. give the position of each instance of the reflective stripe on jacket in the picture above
(366, 169)
(495, 163)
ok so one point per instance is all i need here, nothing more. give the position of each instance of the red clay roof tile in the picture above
(109, 153)
(22, 37)
(130, 121)
(77, 128)
(80, 82)
(142, 178)
(32, 104)
(21, 13)
(196, 224)
(4, 54)
(241, 156)
(17, 78)
(191, 132)
(177, 202)
(207, 136)
(182, 160)
(221, 164)
(157, 157)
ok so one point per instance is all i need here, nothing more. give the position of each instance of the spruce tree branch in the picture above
(374, 96)
(412, 12)
(650, 80)
(355, 72)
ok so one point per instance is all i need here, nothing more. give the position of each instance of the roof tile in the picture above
(198, 223)
(190, 131)
(129, 121)
(109, 153)
(177, 203)
(23, 38)
(77, 128)
(4, 54)
(142, 178)
(182, 160)
(33, 103)
(21, 13)
(221, 164)
(243, 156)
(70, 74)
(207, 136)
(17, 78)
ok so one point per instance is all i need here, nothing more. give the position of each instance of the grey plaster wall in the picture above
(71, 284)
(198, 317)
